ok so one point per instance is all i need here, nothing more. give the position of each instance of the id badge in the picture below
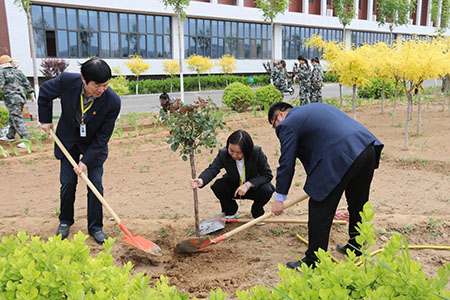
(82, 130)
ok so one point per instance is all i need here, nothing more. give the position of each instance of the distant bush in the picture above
(267, 95)
(4, 117)
(329, 77)
(120, 85)
(238, 96)
(52, 67)
(375, 86)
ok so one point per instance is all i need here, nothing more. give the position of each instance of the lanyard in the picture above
(83, 111)
(241, 181)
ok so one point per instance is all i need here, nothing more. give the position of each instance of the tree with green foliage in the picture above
(270, 10)
(192, 127)
(179, 7)
(345, 12)
(440, 12)
(25, 5)
(394, 13)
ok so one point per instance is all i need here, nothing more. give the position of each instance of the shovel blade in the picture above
(143, 244)
(194, 245)
(211, 226)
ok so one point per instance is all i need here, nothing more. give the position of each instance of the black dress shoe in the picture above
(99, 237)
(341, 248)
(299, 263)
(64, 230)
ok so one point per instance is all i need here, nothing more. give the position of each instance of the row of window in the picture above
(71, 32)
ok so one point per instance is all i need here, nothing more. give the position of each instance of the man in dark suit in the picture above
(89, 111)
(248, 175)
(338, 154)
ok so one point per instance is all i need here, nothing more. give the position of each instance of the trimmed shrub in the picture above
(267, 95)
(4, 117)
(238, 96)
(329, 77)
(34, 269)
(374, 87)
(120, 85)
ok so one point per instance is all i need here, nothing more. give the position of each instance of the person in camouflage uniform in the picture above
(316, 80)
(14, 83)
(304, 79)
(279, 78)
(168, 104)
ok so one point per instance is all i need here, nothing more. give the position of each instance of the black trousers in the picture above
(356, 184)
(69, 181)
(224, 191)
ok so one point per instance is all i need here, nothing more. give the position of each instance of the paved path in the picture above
(150, 102)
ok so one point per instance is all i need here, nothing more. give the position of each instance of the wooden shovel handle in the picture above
(85, 178)
(287, 204)
(292, 221)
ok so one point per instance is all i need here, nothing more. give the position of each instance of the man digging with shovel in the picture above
(338, 154)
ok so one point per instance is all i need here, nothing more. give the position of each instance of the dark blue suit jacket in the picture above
(257, 169)
(326, 141)
(100, 118)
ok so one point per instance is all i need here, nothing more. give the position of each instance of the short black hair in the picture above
(244, 140)
(95, 69)
(164, 96)
(281, 106)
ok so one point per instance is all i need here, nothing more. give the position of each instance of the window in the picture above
(294, 40)
(71, 32)
(214, 38)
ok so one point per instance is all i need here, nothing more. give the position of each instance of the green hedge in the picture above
(329, 77)
(375, 86)
(208, 82)
(238, 96)
(267, 95)
(4, 117)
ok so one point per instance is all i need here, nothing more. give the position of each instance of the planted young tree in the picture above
(171, 67)
(228, 64)
(137, 66)
(394, 13)
(345, 12)
(270, 10)
(191, 128)
(52, 67)
(179, 7)
(199, 64)
(25, 5)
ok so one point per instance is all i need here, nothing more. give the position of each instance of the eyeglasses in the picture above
(275, 121)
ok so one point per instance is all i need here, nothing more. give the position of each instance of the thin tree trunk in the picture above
(443, 100)
(382, 96)
(341, 97)
(409, 96)
(194, 175)
(137, 85)
(394, 111)
(419, 113)
(199, 86)
(411, 108)
(354, 101)
(171, 85)
(181, 54)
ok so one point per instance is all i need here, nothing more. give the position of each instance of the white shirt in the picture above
(240, 167)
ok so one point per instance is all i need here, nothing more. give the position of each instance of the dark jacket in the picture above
(100, 118)
(326, 141)
(257, 169)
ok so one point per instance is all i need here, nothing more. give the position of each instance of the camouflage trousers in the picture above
(16, 122)
(304, 95)
(316, 95)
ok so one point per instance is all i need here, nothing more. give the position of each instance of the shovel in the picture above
(134, 240)
(202, 244)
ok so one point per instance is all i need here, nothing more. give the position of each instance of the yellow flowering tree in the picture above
(199, 64)
(137, 66)
(228, 64)
(380, 52)
(171, 67)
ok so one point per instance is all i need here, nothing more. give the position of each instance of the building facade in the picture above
(114, 29)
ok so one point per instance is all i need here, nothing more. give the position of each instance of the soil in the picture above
(148, 187)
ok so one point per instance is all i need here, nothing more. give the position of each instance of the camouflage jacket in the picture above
(14, 83)
(317, 77)
(279, 77)
(304, 74)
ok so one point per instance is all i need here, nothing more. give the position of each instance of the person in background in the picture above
(338, 154)
(168, 104)
(248, 175)
(89, 111)
(316, 80)
(14, 84)
(279, 78)
(304, 79)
